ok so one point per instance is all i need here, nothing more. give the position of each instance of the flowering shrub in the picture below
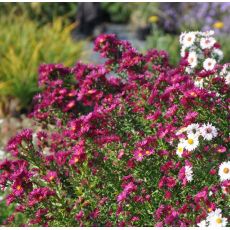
(132, 142)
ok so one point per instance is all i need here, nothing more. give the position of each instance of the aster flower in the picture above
(199, 83)
(39, 194)
(51, 175)
(209, 64)
(194, 129)
(227, 79)
(17, 188)
(188, 173)
(138, 154)
(180, 149)
(2, 154)
(219, 53)
(224, 171)
(215, 219)
(208, 131)
(191, 142)
(188, 39)
(207, 42)
(192, 59)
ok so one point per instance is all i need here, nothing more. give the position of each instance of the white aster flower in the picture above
(182, 51)
(194, 129)
(2, 154)
(1, 198)
(199, 83)
(189, 39)
(208, 131)
(192, 59)
(227, 79)
(188, 173)
(188, 70)
(191, 142)
(209, 64)
(219, 53)
(180, 149)
(202, 224)
(207, 43)
(224, 70)
(224, 171)
(182, 37)
(215, 219)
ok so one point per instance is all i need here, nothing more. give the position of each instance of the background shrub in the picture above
(23, 47)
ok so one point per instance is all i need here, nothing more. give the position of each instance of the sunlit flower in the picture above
(193, 129)
(191, 142)
(208, 131)
(207, 42)
(209, 64)
(192, 59)
(224, 171)
(189, 39)
(180, 149)
(215, 219)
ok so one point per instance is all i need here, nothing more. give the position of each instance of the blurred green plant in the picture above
(23, 47)
(119, 11)
(162, 41)
(41, 12)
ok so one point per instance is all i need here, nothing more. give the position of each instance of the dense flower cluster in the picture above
(132, 142)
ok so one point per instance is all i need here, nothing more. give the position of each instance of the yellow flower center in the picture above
(147, 152)
(140, 154)
(218, 220)
(190, 141)
(19, 187)
(51, 177)
(180, 149)
(76, 160)
(226, 170)
(209, 209)
(218, 25)
(193, 94)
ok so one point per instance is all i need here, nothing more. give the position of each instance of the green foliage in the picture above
(119, 12)
(24, 46)
(162, 41)
(41, 12)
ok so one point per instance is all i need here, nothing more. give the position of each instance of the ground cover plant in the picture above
(131, 142)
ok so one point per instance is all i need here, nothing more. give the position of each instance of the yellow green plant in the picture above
(24, 46)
